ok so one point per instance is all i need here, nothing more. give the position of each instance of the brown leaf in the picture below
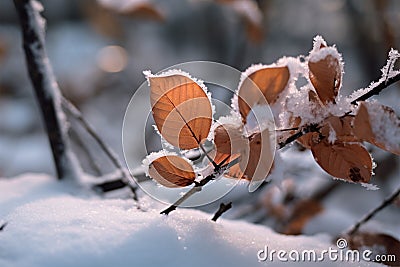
(262, 87)
(326, 75)
(3, 49)
(143, 10)
(256, 160)
(350, 162)
(342, 127)
(228, 139)
(181, 110)
(378, 125)
(251, 16)
(254, 31)
(308, 140)
(379, 244)
(302, 212)
(172, 171)
(103, 19)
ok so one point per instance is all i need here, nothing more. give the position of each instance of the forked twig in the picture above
(75, 112)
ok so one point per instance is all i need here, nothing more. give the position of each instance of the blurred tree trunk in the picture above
(46, 88)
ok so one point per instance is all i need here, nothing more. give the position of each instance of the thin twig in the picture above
(222, 209)
(74, 111)
(3, 226)
(387, 201)
(85, 149)
(377, 89)
(45, 85)
(304, 130)
(219, 170)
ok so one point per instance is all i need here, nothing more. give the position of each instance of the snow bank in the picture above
(48, 225)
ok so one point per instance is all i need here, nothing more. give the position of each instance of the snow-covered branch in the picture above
(45, 85)
(389, 77)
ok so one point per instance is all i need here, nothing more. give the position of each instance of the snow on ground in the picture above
(53, 223)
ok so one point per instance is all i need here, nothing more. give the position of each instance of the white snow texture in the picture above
(48, 225)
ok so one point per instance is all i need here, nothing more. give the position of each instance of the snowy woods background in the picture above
(99, 49)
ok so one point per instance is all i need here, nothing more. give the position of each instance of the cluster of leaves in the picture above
(315, 114)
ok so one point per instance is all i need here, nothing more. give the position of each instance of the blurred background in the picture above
(99, 49)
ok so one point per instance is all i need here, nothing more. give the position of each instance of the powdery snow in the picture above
(49, 225)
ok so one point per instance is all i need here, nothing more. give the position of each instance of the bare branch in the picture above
(386, 202)
(218, 171)
(304, 130)
(45, 85)
(75, 112)
(222, 209)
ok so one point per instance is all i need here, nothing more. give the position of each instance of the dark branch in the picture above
(304, 130)
(389, 200)
(3, 226)
(222, 209)
(219, 170)
(45, 85)
(377, 89)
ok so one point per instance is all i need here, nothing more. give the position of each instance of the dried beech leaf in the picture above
(302, 213)
(378, 125)
(172, 171)
(181, 110)
(379, 244)
(350, 162)
(313, 98)
(254, 31)
(251, 15)
(308, 140)
(228, 139)
(262, 87)
(103, 19)
(256, 160)
(326, 75)
(342, 128)
(143, 10)
(3, 49)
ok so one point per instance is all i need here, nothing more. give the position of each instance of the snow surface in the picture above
(50, 225)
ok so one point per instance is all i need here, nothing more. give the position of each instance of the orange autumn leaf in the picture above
(261, 87)
(228, 139)
(172, 171)
(342, 128)
(348, 161)
(143, 10)
(256, 160)
(181, 110)
(325, 75)
(308, 140)
(378, 125)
